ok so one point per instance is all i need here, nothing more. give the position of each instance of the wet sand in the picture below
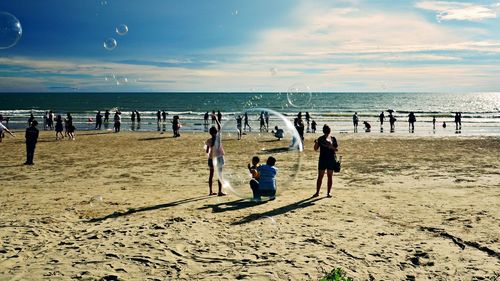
(134, 206)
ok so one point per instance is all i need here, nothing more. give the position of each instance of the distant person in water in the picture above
(308, 121)
(214, 117)
(245, 118)
(264, 182)
(176, 125)
(433, 122)
(215, 151)
(239, 121)
(458, 121)
(51, 120)
(138, 116)
(106, 116)
(164, 116)
(158, 116)
(355, 121)
(313, 126)
(205, 118)
(132, 117)
(367, 126)
(262, 122)
(444, 125)
(381, 117)
(266, 118)
(411, 121)
(327, 146)
(117, 121)
(31, 119)
(98, 120)
(392, 121)
(59, 128)
(219, 116)
(45, 120)
(31, 136)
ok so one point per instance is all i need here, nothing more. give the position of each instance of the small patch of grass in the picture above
(337, 274)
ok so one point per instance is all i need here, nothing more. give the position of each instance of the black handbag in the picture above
(337, 165)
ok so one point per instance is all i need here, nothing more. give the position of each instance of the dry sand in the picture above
(134, 206)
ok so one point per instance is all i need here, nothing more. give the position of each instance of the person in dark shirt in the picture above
(327, 146)
(98, 120)
(219, 116)
(31, 119)
(205, 118)
(106, 116)
(31, 140)
(158, 116)
(313, 126)
(164, 116)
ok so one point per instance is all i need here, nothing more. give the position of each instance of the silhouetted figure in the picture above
(444, 125)
(138, 116)
(433, 122)
(51, 120)
(31, 119)
(98, 120)
(262, 120)
(164, 116)
(278, 133)
(308, 121)
(219, 116)
(327, 146)
(300, 128)
(367, 126)
(266, 118)
(158, 116)
(176, 125)
(117, 121)
(132, 117)
(411, 122)
(214, 117)
(355, 121)
(239, 123)
(458, 121)
(392, 121)
(381, 117)
(31, 136)
(245, 118)
(205, 118)
(313, 126)
(106, 116)
(59, 127)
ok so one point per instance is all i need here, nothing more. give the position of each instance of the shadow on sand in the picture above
(145, 209)
(231, 206)
(154, 138)
(279, 211)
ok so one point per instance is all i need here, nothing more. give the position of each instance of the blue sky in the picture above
(237, 45)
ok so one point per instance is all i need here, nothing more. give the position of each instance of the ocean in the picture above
(480, 111)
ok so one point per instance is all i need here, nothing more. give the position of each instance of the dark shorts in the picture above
(326, 164)
(220, 162)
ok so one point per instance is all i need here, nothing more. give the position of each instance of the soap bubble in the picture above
(10, 30)
(262, 143)
(122, 29)
(95, 200)
(299, 95)
(273, 71)
(110, 44)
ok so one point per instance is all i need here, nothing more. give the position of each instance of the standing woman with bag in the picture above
(327, 146)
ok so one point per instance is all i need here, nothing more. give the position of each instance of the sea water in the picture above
(480, 111)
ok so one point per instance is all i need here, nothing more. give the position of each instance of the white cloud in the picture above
(458, 10)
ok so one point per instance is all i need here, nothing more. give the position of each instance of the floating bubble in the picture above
(95, 200)
(10, 30)
(299, 95)
(104, 3)
(273, 71)
(234, 13)
(262, 143)
(110, 44)
(122, 29)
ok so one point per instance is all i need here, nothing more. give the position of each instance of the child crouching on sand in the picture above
(265, 182)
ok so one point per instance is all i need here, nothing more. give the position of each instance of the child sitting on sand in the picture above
(266, 184)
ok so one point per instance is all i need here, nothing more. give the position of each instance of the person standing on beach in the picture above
(214, 117)
(68, 121)
(158, 116)
(98, 120)
(138, 116)
(219, 116)
(381, 117)
(308, 119)
(31, 119)
(328, 147)
(458, 121)
(51, 120)
(266, 117)
(106, 116)
(31, 136)
(164, 116)
(433, 122)
(355, 121)
(239, 120)
(59, 127)
(45, 120)
(71, 130)
(411, 122)
(392, 121)
(176, 125)
(215, 151)
(313, 126)
(132, 117)
(117, 121)
(262, 120)
(245, 118)
(205, 119)
(4, 129)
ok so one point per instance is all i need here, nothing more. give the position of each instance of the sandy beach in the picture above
(134, 206)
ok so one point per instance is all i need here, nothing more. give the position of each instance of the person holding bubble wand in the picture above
(215, 151)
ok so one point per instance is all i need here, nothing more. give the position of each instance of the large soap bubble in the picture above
(122, 29)
(110, 44)
(299, 95)
(10, 30)
(262, 143)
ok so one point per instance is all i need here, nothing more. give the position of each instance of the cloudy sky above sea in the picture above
(258, 45)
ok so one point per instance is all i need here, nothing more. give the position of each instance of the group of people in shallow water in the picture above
(412, 119)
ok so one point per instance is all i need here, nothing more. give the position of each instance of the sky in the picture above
(253, 46)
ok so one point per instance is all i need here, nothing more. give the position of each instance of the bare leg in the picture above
(210, 180)
(329, 174)
(321, 173)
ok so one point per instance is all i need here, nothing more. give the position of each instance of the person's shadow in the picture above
(304, 203)
(231, 206)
